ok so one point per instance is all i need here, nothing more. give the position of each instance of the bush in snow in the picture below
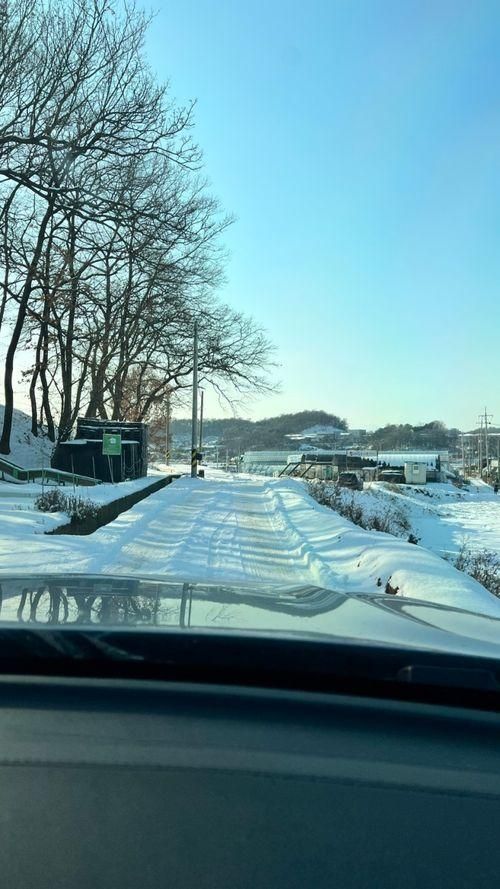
(350, 509)
(391, 519)
(483, 566)
(51, 501)
(77, 508)
(322, 493)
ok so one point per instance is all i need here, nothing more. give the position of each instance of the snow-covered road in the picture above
(226, 529)
(248, 530)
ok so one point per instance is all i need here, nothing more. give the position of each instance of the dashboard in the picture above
(125, 783)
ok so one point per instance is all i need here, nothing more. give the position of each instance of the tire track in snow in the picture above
(304, 552)
(230, 531)
(149, 539)
(244, 542)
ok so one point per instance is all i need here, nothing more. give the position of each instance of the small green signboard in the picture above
(111, 444)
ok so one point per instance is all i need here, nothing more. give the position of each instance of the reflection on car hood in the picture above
(86, 601)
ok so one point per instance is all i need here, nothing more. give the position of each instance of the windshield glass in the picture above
(248, 317)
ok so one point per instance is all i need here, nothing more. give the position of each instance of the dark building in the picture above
(83, 454)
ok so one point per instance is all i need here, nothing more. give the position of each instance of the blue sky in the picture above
(358, 145)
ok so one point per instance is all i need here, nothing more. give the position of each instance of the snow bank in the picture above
(362, 561)
(443, 517)
(22, 526)
(27, 450)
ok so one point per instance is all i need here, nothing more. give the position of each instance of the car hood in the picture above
(86, 601)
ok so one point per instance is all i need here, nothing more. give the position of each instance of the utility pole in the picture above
(194, 416)
(463, 456)
(485, 419)
(480, 448)
(486, 443)
(167, 431)
(201, 419)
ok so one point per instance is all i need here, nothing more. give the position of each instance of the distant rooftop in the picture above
(315, 432)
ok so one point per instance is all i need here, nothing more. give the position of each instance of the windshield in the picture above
(85, 601)
(248, 317)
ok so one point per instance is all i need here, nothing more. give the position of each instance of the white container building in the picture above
(415, 473)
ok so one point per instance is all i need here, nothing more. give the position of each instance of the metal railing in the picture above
(44, 474)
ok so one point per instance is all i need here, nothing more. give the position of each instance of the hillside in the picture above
(26, 449)
(238, 435)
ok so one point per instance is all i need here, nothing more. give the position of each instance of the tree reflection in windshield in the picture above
(111, 600)
(54, 604)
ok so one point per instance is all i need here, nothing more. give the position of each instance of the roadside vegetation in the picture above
(391, 517)
(77, 508)
(482, 565)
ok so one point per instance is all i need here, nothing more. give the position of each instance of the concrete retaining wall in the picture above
(110, 511)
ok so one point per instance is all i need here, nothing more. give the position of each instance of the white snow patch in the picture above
(22, 526)
(27, 450)
(232, 529)
(442, 516)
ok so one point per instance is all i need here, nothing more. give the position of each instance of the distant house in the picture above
(316, 432)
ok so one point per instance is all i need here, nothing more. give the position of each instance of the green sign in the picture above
(111, 444)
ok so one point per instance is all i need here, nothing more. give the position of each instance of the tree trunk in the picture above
(67, 359)
(16, 335)
(34, 407)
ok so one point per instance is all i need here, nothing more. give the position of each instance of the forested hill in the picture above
(256, 435)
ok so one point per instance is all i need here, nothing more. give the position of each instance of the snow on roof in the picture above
(264, 456)
(398, 458)
(315, 431)
(84, 441)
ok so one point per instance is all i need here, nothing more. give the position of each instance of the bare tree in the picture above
(81, 100)
(109, 238)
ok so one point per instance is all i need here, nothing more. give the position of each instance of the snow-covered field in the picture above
(234, 529)
(443, 517)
